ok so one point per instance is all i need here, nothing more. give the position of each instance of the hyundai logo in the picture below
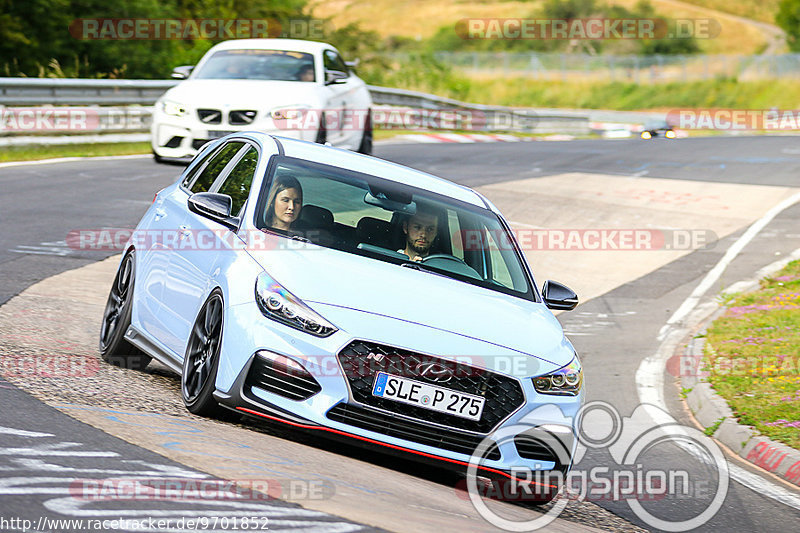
(434, 372)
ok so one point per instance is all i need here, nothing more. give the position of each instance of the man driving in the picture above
(420, 231)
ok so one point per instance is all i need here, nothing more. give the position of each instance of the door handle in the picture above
(185, 231)
(160, 213)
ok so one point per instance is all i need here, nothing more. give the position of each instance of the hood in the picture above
(335, 278)
(244, 94)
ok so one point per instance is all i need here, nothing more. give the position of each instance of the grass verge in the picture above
(752, 354)
(35, 152)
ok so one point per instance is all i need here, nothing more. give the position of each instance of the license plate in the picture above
(428, 396)
(216, 134)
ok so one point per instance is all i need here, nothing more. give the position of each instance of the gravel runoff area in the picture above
(48, 347)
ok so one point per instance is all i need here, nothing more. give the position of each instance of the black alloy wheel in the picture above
(202, 359)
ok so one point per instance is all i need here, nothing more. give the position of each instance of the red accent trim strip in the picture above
(373, 441)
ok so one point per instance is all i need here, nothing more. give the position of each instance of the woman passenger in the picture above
(285, 203)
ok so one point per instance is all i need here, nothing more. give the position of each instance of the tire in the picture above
(322, 133)
(117, 317)
(201, 361)
(366, 140)
(158, 159)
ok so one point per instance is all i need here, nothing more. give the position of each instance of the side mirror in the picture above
(333, 77)
(182, 72)
(558, 296)
(352, 64)
(215, 206)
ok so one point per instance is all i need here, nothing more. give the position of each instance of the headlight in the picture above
(566, 381)
(279, 304)
(173, 108)
(288, 113)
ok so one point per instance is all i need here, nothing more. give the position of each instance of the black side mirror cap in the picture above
(215, 206)
(559, 297)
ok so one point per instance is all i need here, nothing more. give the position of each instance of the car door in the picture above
(194, 253)
(158, 234)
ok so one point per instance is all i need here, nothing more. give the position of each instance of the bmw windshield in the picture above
(249, 64)
(390, 222)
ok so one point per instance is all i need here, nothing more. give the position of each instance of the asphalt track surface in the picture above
(613, 332)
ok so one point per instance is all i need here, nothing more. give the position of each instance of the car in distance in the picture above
(276, 276)
(658, 128)
(289, 87)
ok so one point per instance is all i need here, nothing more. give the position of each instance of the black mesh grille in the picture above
(394, 426)
(174, 142)
(539, 446)
(503, 394)
(210, 116)
(292, 383)
(241, 117)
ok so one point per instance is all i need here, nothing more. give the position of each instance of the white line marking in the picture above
(715, 273)
(650, 374)
(22, 433)
(71, 159)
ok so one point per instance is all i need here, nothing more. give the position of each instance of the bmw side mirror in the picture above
(182, 72)
(333, 77)
(558, 296)
(215, 206)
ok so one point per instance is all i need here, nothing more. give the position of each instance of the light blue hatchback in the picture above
(345, 295)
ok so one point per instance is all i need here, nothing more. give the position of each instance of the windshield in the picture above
(258, 65)
(390, 222)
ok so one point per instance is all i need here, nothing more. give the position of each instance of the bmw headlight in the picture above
(173, 108)
(288, 112)
(279, 304)
(566, 381)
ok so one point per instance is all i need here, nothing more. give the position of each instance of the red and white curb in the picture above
(431, 138)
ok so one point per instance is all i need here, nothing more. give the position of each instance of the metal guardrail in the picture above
(115, 101)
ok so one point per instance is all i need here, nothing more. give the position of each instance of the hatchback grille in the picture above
(293, 383)
(241, 117)
(210, 116)
(411, 430)
(361, 361)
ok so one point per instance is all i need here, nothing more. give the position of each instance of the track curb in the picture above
(712, 411)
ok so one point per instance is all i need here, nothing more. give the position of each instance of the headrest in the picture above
(315, 216)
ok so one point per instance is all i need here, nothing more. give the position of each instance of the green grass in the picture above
(752, 354)
(35, 152)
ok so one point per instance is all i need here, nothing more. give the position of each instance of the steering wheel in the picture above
(457, 265)
(444, 256)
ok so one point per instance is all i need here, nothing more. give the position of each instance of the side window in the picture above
(190, 176)
(500, 271)
(237, 183)
(215, 166)
(333, 61)
(455, 234)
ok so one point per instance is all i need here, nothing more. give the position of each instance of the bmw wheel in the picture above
(366, 141)
(202, 359)
(117, 317)
(322, 133)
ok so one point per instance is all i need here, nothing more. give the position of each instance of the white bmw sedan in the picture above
(292, 88)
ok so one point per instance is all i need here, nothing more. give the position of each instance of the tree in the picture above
(788, 18)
